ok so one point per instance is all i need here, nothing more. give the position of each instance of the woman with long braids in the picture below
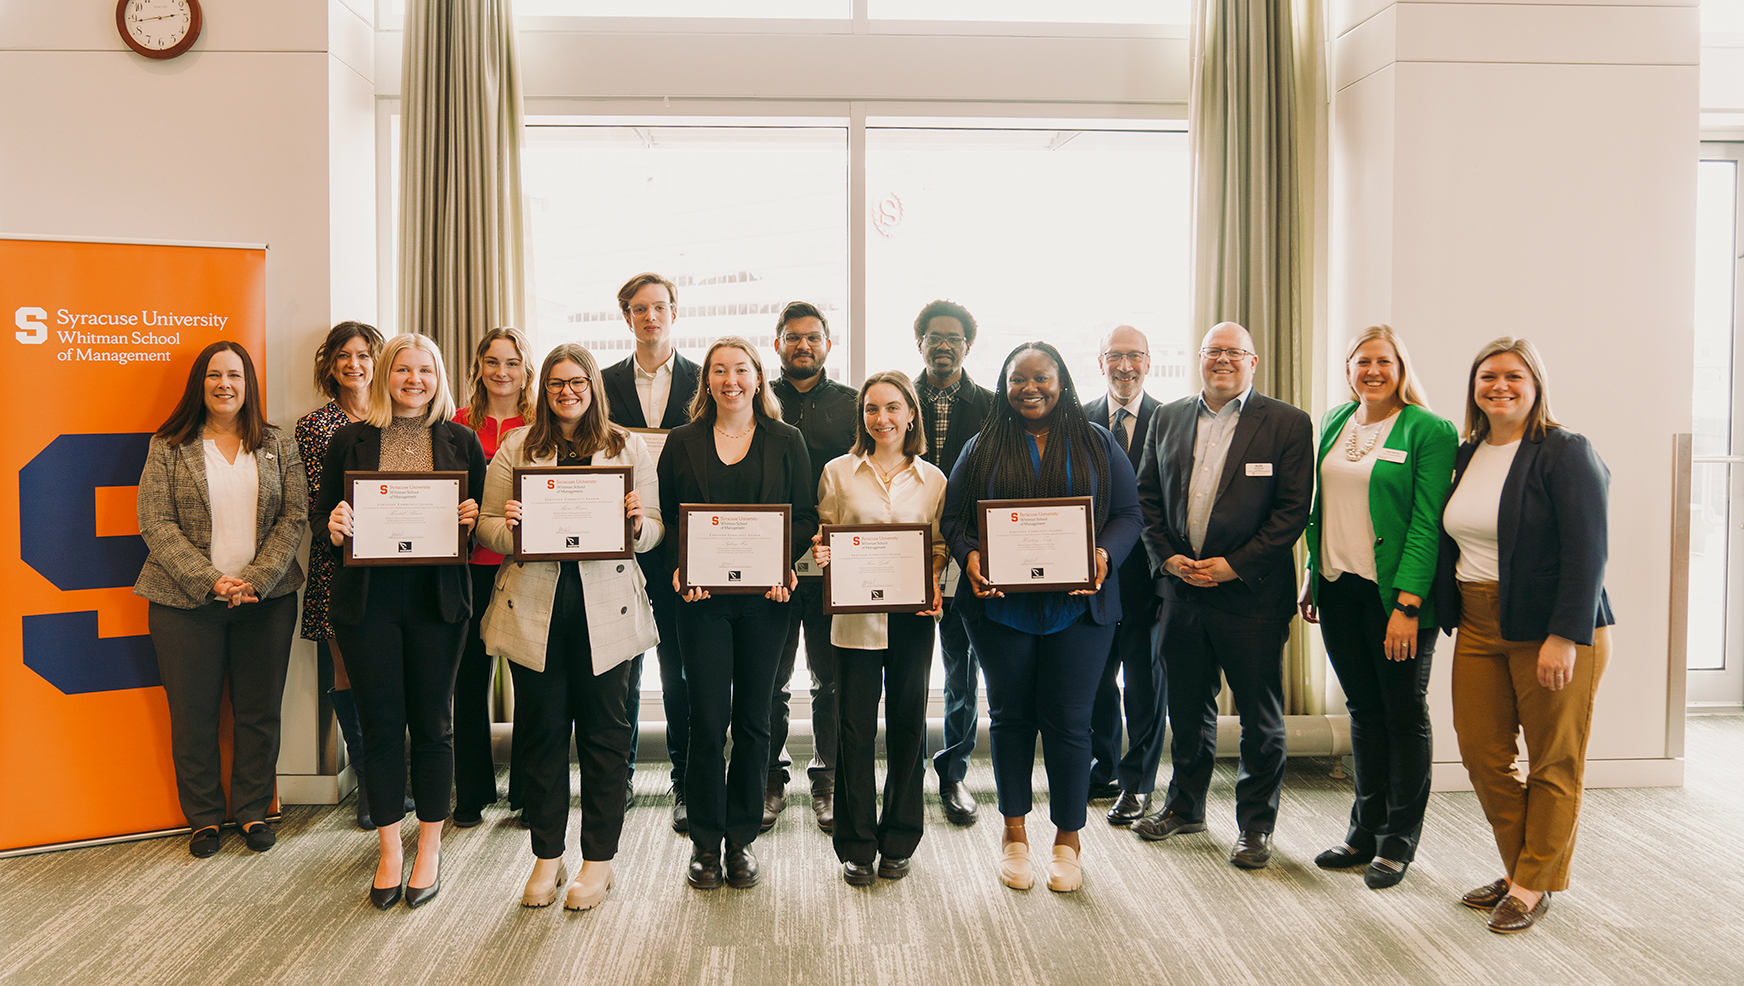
(1042, 652)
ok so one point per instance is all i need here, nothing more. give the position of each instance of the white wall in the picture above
(263, 133)
(1527, 169)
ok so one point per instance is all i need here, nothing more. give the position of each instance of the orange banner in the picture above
(104, 336)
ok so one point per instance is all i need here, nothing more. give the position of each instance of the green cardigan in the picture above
(1405, 501)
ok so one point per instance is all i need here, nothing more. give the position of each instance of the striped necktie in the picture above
(1120, 416)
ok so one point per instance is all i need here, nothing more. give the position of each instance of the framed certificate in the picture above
(405, 518)
(655, 437)
(573, 513)
(734, 547)
(878, 568)
(1041, 545)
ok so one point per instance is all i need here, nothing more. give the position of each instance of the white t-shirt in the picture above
(1347, 531)
(234, 488)
(1474, 509)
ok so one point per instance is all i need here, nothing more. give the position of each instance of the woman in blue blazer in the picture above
(1042, 652)
(1383, 472)
(1521, 576)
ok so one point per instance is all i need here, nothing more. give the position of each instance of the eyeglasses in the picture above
(1216, 353)
(934, 339)
(809, 338)
(1134, 358)
(580, 385)
(658, 308)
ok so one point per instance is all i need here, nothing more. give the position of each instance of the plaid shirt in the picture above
(936, 407)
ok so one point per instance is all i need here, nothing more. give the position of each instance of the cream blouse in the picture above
(852, 492)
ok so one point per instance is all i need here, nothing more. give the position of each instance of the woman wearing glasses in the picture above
(569, 630)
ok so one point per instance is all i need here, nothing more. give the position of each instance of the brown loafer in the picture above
(1511, 916)
(1485, 897)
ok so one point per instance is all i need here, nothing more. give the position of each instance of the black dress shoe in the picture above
(466, 818)
(680, 814)
(629, 796)
(419, 896)
(1102, 792)
(741, 867)
(260, 838)
(859, 874)
(384, 897)
(958, 803)
(1252, 851)
(705, 870)
(1165, 824)
(892, 868)
(1342, 856)
(204, 842)
(824, 807)
(1129, 808)
(774, 800)
(1384, 873)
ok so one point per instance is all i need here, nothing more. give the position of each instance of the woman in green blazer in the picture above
(1385, 468)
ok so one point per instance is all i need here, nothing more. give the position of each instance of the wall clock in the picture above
(158, 28)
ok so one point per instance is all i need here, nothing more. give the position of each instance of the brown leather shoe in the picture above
(1486, 897)
(824, 807)
(1511, 916)
(774, 800)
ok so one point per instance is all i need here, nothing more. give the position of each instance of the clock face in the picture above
(157, 25)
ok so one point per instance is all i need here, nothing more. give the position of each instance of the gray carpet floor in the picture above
(1658, 898)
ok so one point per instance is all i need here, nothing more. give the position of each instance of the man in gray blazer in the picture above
(1225, 485)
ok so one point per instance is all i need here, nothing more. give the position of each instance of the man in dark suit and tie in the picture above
(1125, 361)
(653, 389)
(1225, 485)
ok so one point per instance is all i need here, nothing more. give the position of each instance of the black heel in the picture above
(384, 897)
(419, 896)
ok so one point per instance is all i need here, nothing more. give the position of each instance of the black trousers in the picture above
(674, 697)
(1195, 642)
(564, 699)
(1390, 734)
(403, 659)
(901, 671)
(1146, 693)
(200, 650)
(731, 645)
(475, 773)
(806, 612)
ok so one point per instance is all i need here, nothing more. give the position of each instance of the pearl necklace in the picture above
(1351, 450)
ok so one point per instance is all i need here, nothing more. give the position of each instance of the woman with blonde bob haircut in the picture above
(1373, 536)
(736, 449)
(570, 629)
(1522, 576)
(402, 628)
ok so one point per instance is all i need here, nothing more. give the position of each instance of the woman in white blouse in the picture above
(569, 630)
(883, 480)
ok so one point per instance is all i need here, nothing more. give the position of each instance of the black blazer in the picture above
(1255, 520)
(969, 412)
(786, 479)
(1136, 590)
(357, 446)
(1552, 528)
(626, 408)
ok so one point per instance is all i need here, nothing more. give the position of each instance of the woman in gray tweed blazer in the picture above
(222, 507)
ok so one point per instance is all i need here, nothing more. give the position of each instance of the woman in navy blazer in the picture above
(402, 628)
(1522, 578)
(1042, 652)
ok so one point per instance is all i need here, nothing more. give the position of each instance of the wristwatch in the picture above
(1409, 611)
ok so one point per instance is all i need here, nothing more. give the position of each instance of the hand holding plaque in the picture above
(404, 518)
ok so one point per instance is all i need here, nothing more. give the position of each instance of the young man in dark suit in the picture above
(1126, 411)
(653, 389)
(1225, 485)
(952, 410)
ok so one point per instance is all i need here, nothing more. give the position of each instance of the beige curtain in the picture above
(1252, 125)
(462, 251)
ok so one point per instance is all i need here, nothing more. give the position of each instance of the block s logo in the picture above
(32, 325)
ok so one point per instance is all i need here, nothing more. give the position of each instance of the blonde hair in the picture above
(914, 443)
(381, 403)
(595, 432)
(476, 411)
(763, 404)
(1539, 420)
(1409, 392)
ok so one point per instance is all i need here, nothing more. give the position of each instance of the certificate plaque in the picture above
(1041, 545)
(573, 513)
(655, 439)
(878, 568)
(734, 547)
(405, 518)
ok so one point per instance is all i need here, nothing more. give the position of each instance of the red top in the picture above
(490, 436)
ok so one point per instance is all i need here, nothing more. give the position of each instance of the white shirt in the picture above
(653, 389)
(234, 489)
(1131, 422)
(1210, 449)
(852, 492)
(1347, 529)
(1474, 510)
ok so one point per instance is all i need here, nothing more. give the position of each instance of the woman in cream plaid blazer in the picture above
(569, 629)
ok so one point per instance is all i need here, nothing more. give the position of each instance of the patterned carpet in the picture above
(1658, 898)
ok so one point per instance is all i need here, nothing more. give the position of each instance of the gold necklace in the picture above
(724, 432)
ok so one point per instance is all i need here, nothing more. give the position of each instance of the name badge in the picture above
(1259, 469)
(1391, 454)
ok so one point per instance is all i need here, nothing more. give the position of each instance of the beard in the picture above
(801, 372)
